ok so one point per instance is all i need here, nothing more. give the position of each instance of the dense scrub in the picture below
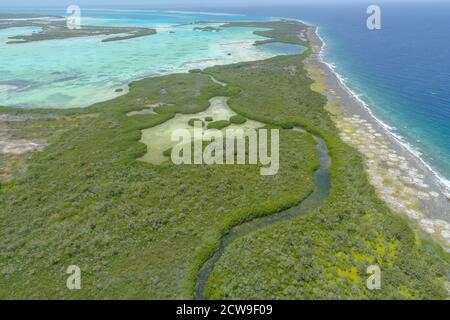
(136, 230)
(220, 124)
(142, 231)
(286, 31)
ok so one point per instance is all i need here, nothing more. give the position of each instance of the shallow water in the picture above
(322, 181)
(78, 72)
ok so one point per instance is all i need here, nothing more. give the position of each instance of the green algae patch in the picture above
(193, 121)
(219, 124)
(238, 119)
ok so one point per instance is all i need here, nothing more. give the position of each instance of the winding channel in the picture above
(322, 187)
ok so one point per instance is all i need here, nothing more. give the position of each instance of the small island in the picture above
(53, 28)
(207, 29)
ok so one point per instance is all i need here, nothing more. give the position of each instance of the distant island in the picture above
(53, 28)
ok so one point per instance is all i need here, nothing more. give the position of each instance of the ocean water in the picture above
(402, 71)
(78, 72)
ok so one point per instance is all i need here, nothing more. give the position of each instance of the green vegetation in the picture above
(136, 230)
(167, 152)
(139, 230)
(192, 121)
(131, 34)
(21, 16)
(238, 119)
(208, 119)
(313, 257)
(51, 30)
(287, 31)
(218, 124)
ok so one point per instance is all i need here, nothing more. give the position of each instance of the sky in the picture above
(200, 3)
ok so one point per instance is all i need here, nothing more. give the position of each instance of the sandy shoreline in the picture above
(399, 176)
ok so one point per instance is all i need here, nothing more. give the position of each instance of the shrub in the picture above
(167, 153)
(219, 124)
(238, 119)
(191, 122)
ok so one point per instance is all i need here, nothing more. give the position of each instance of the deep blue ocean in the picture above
(401, 71)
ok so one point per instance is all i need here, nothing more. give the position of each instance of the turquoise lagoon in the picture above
(78, 72)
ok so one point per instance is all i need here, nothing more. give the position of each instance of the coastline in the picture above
(402, 179)
(443, 182)
(176, 229)
(232, 49)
